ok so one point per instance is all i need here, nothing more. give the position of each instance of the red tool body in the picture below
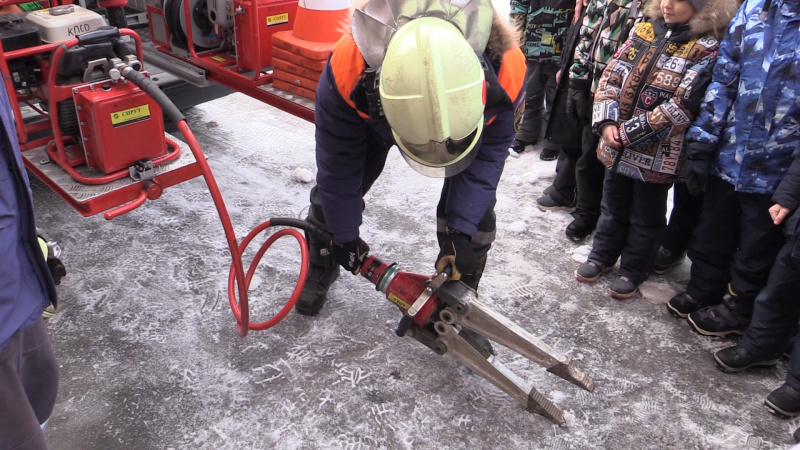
(401, 287)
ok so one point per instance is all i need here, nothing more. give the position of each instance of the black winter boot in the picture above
(579, 229)
(784, 401)
(729, 317)
(684, 304)
(737, 359)
(322, 272)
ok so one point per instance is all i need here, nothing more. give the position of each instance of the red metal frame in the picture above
(229, 75)
(220, 67)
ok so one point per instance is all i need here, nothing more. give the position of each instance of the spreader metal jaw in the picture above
(461, 310)
(447, 317)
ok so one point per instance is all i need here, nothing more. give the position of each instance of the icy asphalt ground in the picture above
(150, 357)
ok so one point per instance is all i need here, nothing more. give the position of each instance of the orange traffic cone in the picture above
(300, 55)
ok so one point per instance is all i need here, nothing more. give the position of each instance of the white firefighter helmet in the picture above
(432, 93)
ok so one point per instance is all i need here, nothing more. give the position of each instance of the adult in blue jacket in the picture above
(739, 149)
(28, 369)
(439, 81)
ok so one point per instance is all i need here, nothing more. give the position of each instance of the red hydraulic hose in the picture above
(301, 281)
(241, 309)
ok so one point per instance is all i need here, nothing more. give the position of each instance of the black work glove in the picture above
(51, 251)
(457, 253)
(350, 255)
(696, 174)
(579, 104)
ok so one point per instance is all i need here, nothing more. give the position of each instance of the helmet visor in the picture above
(441, 159)
(439, 153)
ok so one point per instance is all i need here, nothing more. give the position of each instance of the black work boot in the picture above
(322, 272)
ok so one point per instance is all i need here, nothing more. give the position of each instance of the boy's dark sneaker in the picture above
(519, 146)
(737, 359)
(784, 401)
(546, 203)
(717, 321)
(590, 271)
(549, 154)
(666, 260)
(622, 288)
(683, 304)
(579, 230)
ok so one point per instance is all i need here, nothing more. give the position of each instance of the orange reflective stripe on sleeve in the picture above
(347, 65)
(512, 73)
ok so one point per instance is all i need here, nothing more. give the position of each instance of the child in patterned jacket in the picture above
(646, 98)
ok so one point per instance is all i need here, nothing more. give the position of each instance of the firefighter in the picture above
(442, 83)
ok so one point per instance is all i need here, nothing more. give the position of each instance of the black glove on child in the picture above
(696, 174)
(350, 255)
(457, 253)
(579, 104)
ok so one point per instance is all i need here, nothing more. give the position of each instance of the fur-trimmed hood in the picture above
(713, 19)
(503, 37)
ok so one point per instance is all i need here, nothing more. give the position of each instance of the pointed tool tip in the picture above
(570, 373)
(539, 404)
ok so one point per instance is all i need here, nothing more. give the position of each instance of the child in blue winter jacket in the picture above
(739, 150)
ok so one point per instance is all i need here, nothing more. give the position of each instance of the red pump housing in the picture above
(120, 125)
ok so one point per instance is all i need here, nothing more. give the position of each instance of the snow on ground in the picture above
(150, 357)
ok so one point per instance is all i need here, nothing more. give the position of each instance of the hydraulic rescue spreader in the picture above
(438, 313)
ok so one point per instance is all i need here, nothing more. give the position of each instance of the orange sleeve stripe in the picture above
(347, 65)
(512, 73)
